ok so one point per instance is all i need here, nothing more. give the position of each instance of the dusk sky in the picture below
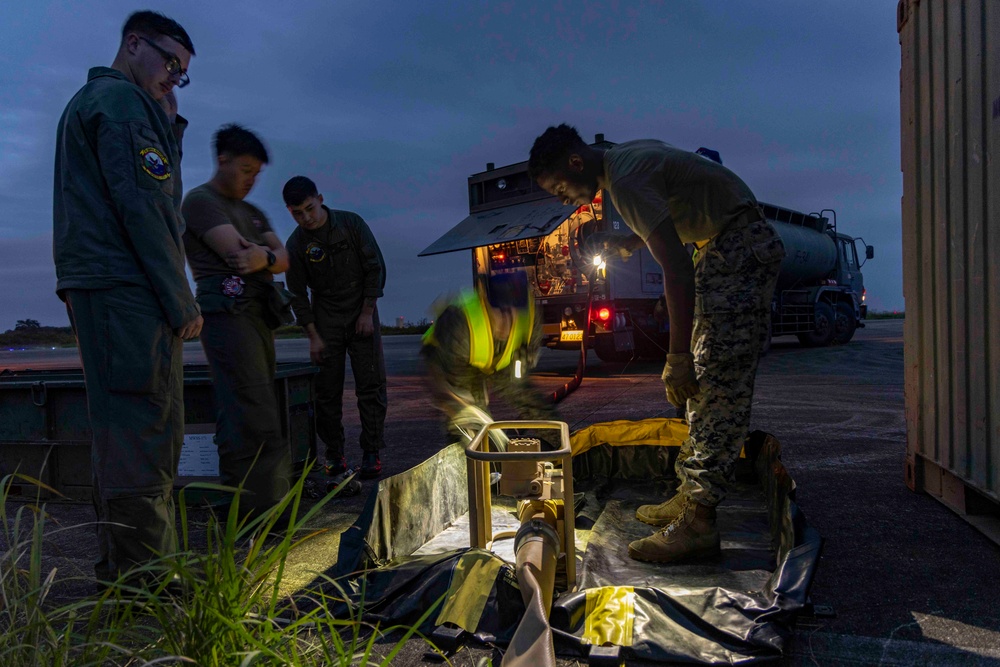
(390, 106)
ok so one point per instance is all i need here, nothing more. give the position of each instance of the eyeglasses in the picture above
(172, 63)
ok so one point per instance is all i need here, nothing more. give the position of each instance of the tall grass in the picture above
(221, 606)
(33, 631)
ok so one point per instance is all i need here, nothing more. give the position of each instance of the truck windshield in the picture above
(850, 256)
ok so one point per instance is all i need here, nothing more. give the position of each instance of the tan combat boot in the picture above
(662, 514)
(692, 535)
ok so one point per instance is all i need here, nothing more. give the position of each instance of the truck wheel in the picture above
(846, 325)
(824, 327)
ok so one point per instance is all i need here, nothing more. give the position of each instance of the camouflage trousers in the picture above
(735, 275)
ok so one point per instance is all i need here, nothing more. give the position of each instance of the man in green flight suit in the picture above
(233, 253)
(336, 275)
(120, 268)
(718, 307)
(486, 338)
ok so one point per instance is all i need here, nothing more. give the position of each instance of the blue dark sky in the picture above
(390, 106)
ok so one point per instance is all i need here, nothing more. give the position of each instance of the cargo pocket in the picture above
(722, 339)
(139, 354)
(725, 254)
(766, 244)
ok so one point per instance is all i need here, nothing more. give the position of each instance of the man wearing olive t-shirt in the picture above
(233, 254)
(718, 307)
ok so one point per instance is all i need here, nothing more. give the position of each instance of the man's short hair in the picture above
(235, 140)
(552, 148)
(297, 190)
(153, 24)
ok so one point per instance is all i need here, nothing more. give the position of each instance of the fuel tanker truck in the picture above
(615, 307)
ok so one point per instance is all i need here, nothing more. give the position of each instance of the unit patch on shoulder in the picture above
(315, 252)
(155, 163)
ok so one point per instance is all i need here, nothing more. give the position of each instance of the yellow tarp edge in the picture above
(663, 432)
(624, 432)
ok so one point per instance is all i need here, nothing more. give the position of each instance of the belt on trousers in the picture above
(744, 218)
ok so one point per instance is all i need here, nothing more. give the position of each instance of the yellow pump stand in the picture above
(480, 497)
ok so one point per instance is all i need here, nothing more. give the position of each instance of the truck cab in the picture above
(850, 270)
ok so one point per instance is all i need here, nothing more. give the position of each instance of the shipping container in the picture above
(950, 112)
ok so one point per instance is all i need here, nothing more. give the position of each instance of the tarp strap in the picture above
(471, 582)
(609, 616)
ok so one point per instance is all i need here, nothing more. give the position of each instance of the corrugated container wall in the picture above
(950, 113)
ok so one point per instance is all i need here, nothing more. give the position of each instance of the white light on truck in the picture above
(517, 369)
(598, 260)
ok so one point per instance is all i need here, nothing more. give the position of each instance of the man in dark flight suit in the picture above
(120, 268)
(334, 257)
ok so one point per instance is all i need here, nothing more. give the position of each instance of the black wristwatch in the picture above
(271, 259)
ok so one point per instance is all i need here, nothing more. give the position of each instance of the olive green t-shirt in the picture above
(205, 208)
(651, 182)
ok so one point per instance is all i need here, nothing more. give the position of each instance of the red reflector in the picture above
(604, 314)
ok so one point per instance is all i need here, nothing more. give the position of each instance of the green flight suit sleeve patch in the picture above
(154, 163)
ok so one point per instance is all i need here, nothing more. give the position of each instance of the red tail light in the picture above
(604, 314)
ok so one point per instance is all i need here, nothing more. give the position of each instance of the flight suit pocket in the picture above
(139, 351)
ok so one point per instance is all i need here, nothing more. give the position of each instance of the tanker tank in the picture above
(810, 255)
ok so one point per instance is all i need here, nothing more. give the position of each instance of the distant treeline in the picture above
(411, 328)
(33, 334)
(37, 336)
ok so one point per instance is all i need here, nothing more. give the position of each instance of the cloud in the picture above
(29, 280)
(391, 106)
